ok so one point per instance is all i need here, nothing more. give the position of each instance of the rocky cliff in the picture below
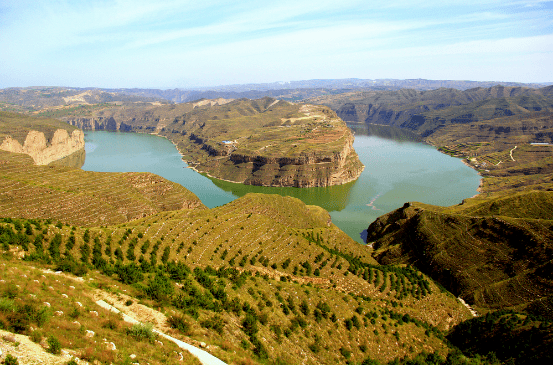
(308, 169)
(36, 145)
(100, 124)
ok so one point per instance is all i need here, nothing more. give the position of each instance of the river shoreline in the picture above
(392, 172)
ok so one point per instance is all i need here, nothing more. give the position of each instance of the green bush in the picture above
(129, 274)
(7, 305)
(36, 336)
(12, 291)
(345, 352)
(215, 322)
(160, 288)
(10, 360)
(141, 331)
(74, 313)
(110, 324)
(54, 345)
(180, 323)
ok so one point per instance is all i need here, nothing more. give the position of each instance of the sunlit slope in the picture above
(263, 279)
(267, 142)
(493, 254)
(84, 198)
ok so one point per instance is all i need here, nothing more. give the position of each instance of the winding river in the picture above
(397, 170)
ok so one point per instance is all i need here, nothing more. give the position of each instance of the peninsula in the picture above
(265, 142)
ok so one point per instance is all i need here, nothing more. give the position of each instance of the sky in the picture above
(190, 43)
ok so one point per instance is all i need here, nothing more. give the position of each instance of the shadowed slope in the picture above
(491, 261)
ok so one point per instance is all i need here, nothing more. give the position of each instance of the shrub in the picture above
(10, 360)
(160, 288)
(11, 292)
(74, 313)
(348, 323)
(304, 308)
(129, 302)
(70, 265)
(7, 305)
(36, 336)
(345, 352)
(110, 324)
(179, 323)
(141, 331)
(129, 274)
(249, 324)
(216, 323)
(54, 345)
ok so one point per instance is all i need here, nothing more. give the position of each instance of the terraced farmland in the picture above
(314, 294)
(84, 198)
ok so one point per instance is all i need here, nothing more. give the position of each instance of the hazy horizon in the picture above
(284, 83)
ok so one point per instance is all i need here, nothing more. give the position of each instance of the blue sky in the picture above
(179, 43)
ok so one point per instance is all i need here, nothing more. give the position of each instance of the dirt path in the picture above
(204, 357)
(511, 152)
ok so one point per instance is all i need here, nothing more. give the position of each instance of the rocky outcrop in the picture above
(62, 144)
(100, 124)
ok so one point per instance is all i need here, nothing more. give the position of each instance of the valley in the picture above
(267, 278)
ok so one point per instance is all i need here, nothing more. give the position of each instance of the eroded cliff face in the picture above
(99, 124)
(62, 144)
(306, 170)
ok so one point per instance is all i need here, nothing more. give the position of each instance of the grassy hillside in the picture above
(84, 198)
(492, 261)
(255, 282)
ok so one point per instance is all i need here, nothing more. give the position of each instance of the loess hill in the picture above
(263, 142)
(426, 112)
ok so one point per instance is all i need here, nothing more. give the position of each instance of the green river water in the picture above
(397, 170)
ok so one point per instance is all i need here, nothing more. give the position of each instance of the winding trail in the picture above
(204, 357)
(511, 151)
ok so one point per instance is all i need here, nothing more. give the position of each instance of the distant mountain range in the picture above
(289, 90)
(296, 90)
